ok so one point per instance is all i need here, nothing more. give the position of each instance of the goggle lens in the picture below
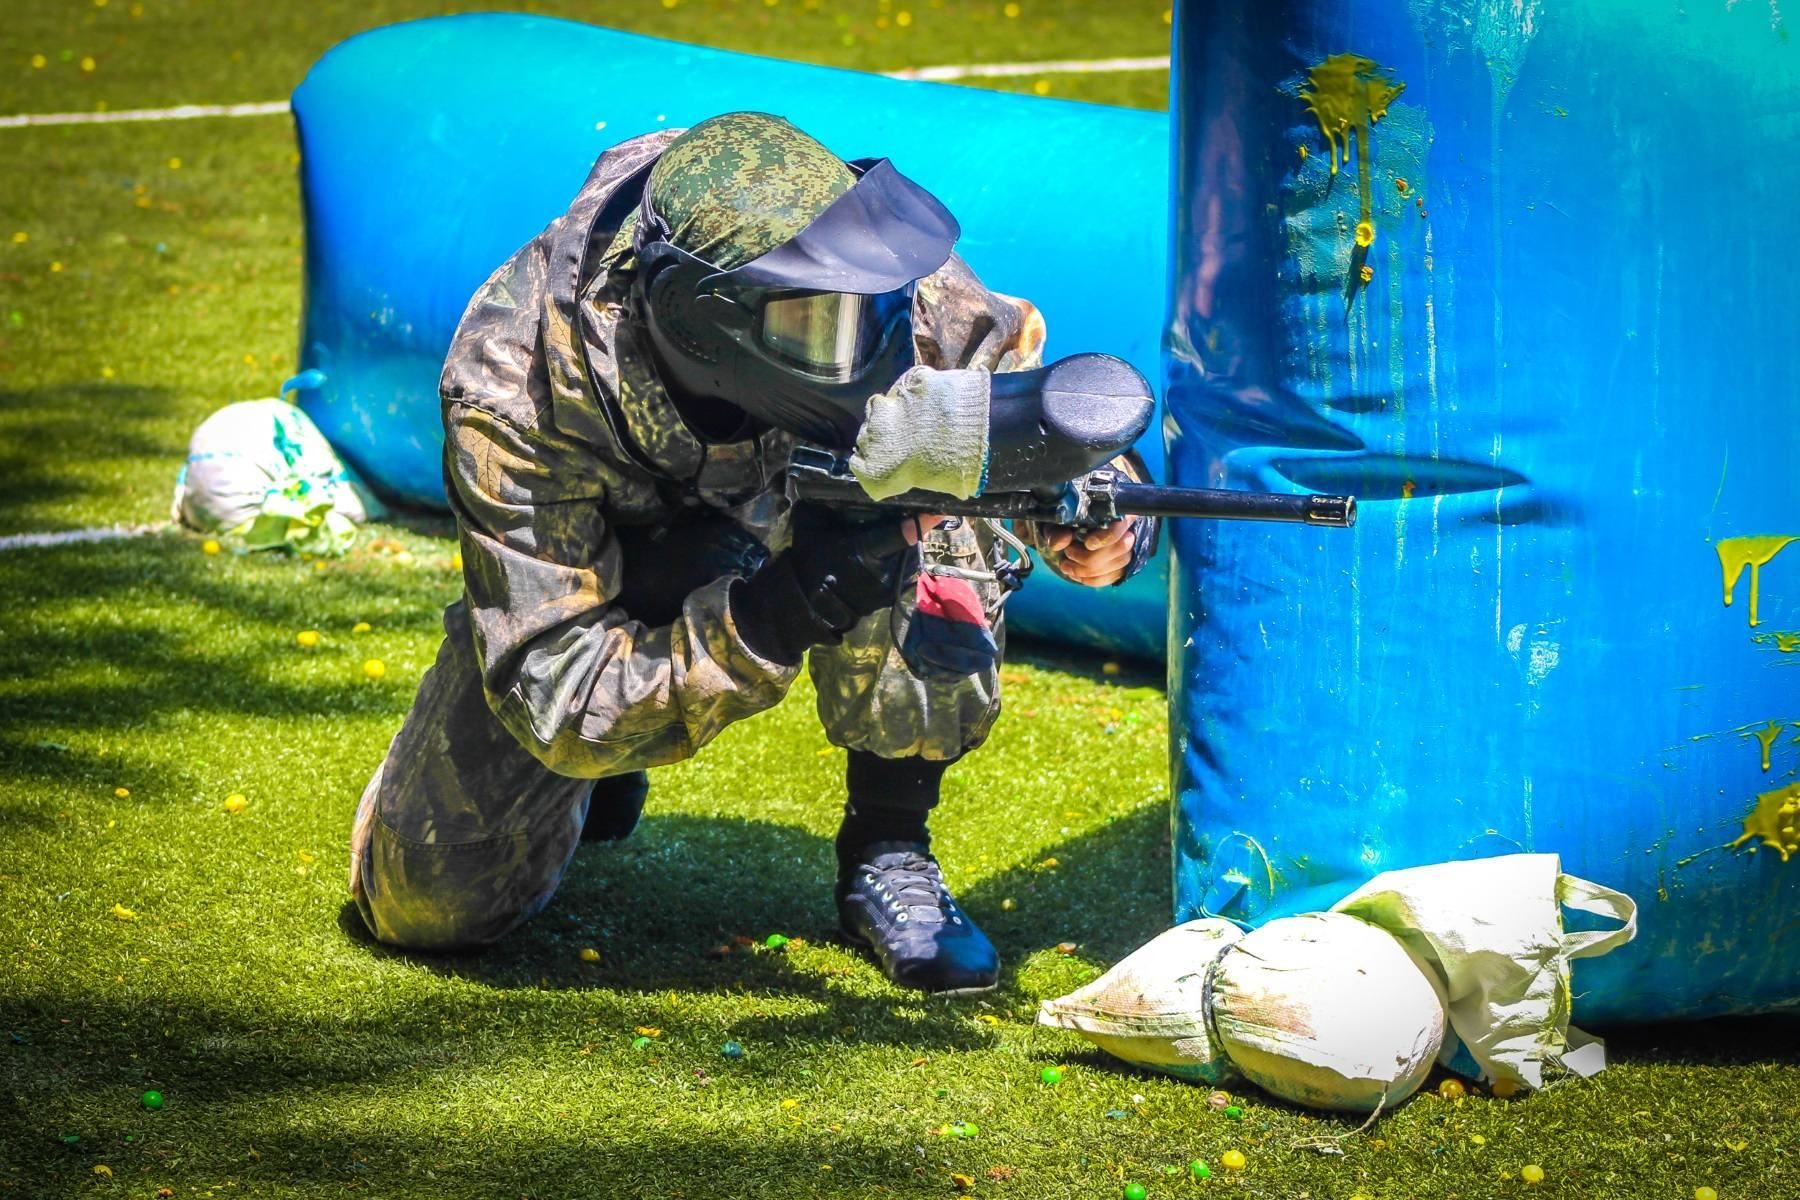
(831, 335)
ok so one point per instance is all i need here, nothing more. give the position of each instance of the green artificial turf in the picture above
(298, 1059)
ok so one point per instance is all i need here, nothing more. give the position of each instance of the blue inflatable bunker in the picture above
(1514, 275)
(420, 177)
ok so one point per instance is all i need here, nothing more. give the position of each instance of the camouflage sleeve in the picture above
(585, 688)
(958, 322)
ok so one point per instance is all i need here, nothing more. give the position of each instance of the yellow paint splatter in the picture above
(1766, 735)
(1366, 273)
(1407, 487)
(1347, 94)
(1776, 820)
(1754, 552)
(1788, 643)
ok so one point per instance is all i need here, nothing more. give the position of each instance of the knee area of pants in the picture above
(420, 925)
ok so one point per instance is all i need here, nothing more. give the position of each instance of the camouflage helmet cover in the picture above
(736, 186)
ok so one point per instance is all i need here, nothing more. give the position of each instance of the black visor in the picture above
(830, 335)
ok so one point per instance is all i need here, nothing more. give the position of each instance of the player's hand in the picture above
(1097, 558)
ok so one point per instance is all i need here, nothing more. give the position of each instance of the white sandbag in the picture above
(1492, 931)
(1150, 1009)
(1328, 1011)
(259, 471)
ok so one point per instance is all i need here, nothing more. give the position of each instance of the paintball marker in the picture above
(1052, 433)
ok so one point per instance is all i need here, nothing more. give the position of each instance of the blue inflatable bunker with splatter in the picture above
(1512, 274)
(420, 177)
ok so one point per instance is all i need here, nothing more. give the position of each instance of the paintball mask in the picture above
(801, 336)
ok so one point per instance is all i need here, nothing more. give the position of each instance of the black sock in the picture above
(890, 800)
(614, 807)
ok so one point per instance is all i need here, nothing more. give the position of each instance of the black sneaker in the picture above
(894, 902)
(614, 807)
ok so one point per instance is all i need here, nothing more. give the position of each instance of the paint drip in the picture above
(1766, 736)
(1754, 552)
(1348, 94)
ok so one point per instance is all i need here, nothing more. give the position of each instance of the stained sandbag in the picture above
(260, 473)
(1492, 930)
(1467, 963)
(1328, 1011)
(1150, 1009)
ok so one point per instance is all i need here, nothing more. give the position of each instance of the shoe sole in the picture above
(861, 943)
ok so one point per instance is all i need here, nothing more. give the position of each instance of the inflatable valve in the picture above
(308, 380)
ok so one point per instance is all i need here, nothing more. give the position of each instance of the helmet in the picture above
(779, 279)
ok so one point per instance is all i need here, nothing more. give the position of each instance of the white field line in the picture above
(1069, 66)
(269, 108)
(67, 537)
(184, 112)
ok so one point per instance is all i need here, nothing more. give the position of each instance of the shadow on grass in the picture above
(681, 886)
(663, 904)
(45, 761)
(426, 522)
(1725, 1041)
(113, 667)
(43, 428)
(570, 1157)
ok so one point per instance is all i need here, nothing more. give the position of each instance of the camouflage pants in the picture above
(462, 834)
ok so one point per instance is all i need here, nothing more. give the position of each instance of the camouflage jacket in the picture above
(558, 434)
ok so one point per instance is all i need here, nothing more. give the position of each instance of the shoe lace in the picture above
(914, 887)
